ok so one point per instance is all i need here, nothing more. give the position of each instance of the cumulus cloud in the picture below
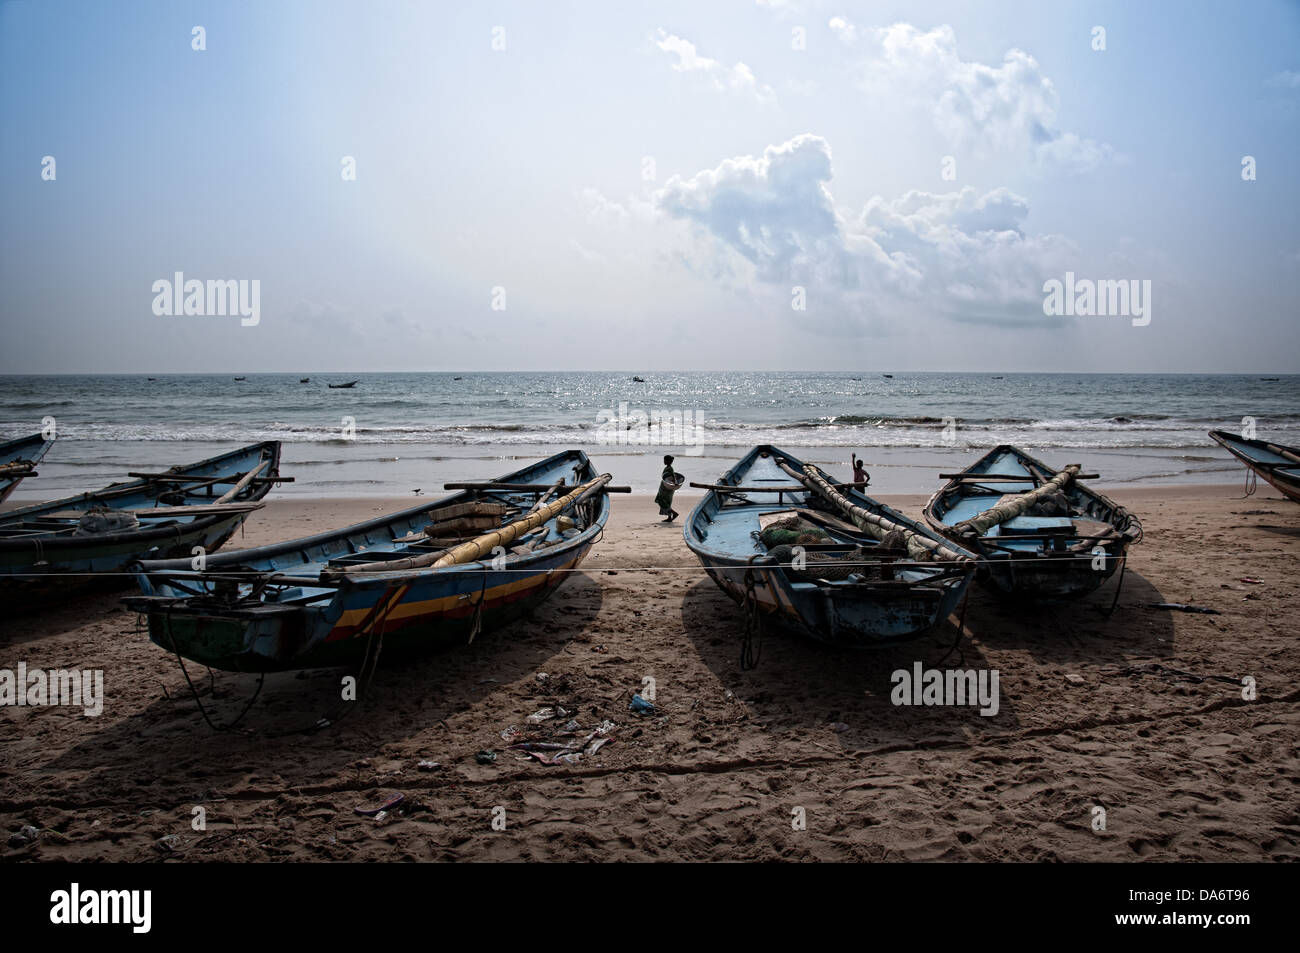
(1010, 107)
(962, 254)
(733, 79)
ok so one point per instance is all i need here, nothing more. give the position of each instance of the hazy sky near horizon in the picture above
(644, 185)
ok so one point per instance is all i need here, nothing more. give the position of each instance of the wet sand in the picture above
(1184, 769)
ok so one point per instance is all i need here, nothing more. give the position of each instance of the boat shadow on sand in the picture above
(404, 707)
(800, 684)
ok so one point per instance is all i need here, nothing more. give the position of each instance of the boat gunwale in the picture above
(159, 568)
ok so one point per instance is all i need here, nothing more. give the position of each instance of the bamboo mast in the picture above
(1014, 506)
(919, 547)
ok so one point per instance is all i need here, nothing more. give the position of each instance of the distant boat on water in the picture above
(639, 380)
(344, 386)
(888, 375)
(1270, 378)
(304, 380)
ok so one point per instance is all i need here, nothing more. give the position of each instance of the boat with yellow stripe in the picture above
(404, 584)
(796, 548)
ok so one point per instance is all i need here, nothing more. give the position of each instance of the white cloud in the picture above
(842, 28)
(1011, 107)
(772, 219)
(733, 79)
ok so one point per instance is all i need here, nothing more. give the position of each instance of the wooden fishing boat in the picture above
(1277, 463)
(18, 459)
(80, 540)
(1041, 535)
(867, 574)
(406, 582)
(345, 386)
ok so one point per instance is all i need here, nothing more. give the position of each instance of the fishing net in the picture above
(793, 531)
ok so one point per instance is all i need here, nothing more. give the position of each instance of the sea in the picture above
(395, 434)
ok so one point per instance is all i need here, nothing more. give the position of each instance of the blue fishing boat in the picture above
(18, 459)
(821, 558)
(1042, 535)
(80, 540)
(404, 583)
(1277, 463)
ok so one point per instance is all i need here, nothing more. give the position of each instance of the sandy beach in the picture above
(1093, 714)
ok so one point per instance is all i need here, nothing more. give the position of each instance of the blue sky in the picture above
(648, 183)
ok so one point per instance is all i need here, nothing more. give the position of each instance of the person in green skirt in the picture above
(665, 495)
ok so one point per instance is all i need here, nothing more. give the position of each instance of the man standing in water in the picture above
(668, 484)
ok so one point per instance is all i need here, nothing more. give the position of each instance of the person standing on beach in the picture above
(860, 474)
(669, 478)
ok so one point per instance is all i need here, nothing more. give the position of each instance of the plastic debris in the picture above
(485, 756)
(1074, 679)
(1252, 580)
(168, 843)
(428, 765)
(391, 802)
(23, 836)
(639, 706)
(595, 746)
(509, 734)
(541, 715)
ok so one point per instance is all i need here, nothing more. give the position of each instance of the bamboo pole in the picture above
(246, 479)
(475, 548)
(1012, 507)
(919, 547)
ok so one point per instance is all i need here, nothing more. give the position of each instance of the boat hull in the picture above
(850, 617)
(1047, 570)
(1277, 464)
(325, 618)
(42, 554)
(896, 606)
(428, 618)
(27, 450)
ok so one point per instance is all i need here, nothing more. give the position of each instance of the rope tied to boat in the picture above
(753, 616)
(476, 619)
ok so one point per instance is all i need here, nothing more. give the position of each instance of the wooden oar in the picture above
(918, 547)
(726, 488)
(1002, 477)
(521, 487)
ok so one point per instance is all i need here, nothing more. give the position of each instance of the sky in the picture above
(738, 185)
